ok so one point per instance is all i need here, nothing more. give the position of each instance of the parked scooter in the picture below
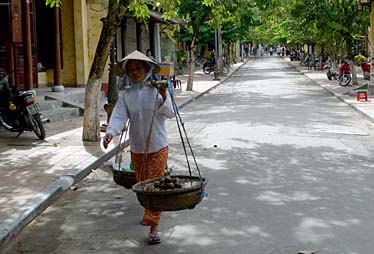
(210, 65)
(18, 110)
(331, 72)
(345, 73)
(365, 67)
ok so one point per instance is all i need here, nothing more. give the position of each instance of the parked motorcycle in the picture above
(294, 56)
(345, 73)
(365, 67)
(210, 65)
(331, 72)
(19, 111)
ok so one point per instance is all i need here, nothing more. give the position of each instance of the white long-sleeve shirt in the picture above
(137, 104)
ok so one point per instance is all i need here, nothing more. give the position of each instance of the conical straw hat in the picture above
(120, 67)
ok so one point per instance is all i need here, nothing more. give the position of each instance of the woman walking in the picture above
(147, 108)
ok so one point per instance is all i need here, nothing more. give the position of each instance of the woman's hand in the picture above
(163, 93)
(107, 139)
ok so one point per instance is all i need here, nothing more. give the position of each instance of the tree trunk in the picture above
(191, 65)
(354, 73)
(91, 124)
(220, 53)
(348, 45)
(112, 84)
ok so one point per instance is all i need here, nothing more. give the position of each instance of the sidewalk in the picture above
(34, 173)
(366, 108)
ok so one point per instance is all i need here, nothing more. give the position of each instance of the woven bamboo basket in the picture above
(186, 197)
(125, 179)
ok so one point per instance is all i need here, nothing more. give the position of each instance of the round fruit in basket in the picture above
(165, 183)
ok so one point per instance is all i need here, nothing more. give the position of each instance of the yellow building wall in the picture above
(81, 28)
(69, 77)
(68, 72)
(94, 26)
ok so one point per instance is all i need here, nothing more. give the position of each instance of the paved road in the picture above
(289, 167)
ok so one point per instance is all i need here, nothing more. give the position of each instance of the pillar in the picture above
(139, 44)
(81, 42)
(57, 82)
(27, 44)
(157, 41)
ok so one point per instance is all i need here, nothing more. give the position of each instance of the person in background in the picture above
(246, 50)
(150, 55)
(146, 107)
(254, 50)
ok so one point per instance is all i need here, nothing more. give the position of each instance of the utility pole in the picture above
(216, 56)
(220, 59)
(371, 43)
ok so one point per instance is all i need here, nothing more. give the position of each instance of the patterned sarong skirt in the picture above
(155, 165)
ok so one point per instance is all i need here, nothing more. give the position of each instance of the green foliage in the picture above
(235, 18)
(335, 25)
(327, 23)
(208, 3)
(53, 3)
(140, 10)
(181, 55)
(360, 58)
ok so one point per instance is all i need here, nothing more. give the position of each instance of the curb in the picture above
(23, 216)
(340, 97)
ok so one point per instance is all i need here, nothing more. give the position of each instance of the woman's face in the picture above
(137, 70)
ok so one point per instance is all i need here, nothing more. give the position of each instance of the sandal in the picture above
(154, 238)
(144, 223)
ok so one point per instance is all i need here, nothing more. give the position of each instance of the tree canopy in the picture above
(337, 26)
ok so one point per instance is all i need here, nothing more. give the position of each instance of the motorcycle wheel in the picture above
(329, 76)
(11, 121)
(345, 79)
(226, 69)
(207, 69)
(37, 126)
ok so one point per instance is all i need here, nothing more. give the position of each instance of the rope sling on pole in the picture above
(121, 176)
(180, 123)
(187, 191)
